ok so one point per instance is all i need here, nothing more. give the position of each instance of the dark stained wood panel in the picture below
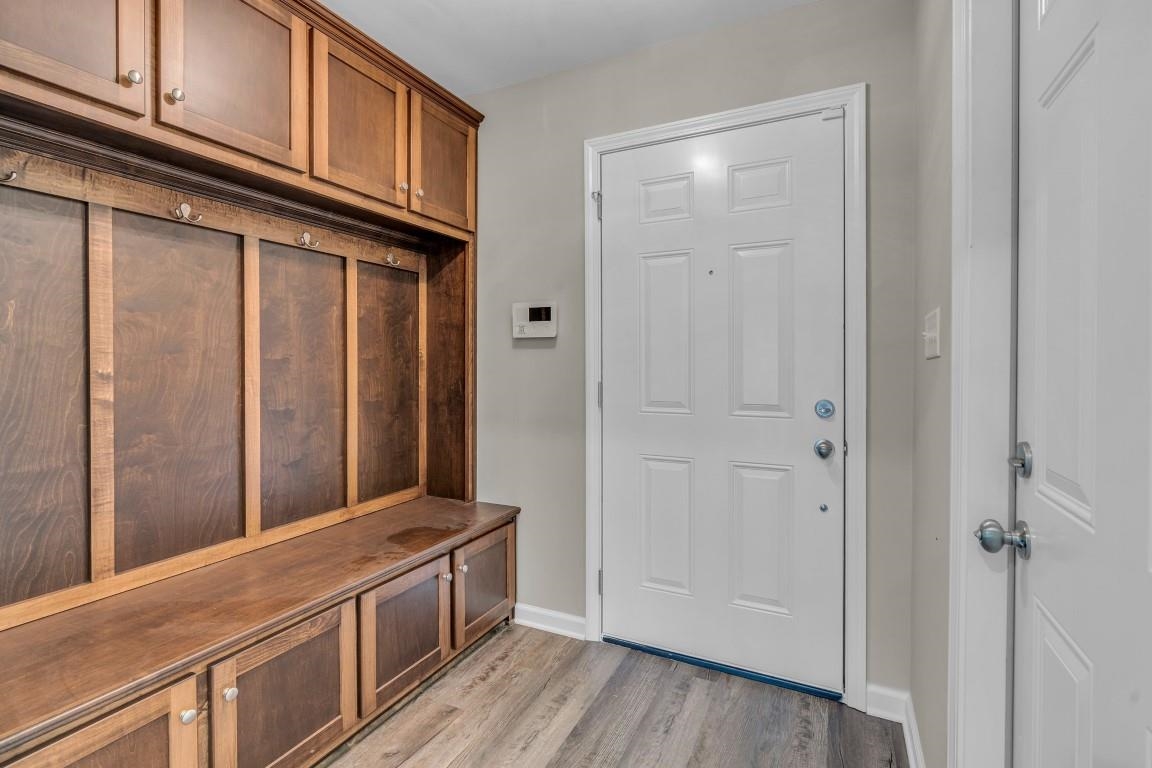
(444, 162)
(287, 699)
(145, 747)
(357, 143)
(70, 664)
(237, 62)
(78, 33)
(302, 384)
(447, 352)
(178, 346)
(487, 581)
(43, 396)
(407, 629)
(388, 304)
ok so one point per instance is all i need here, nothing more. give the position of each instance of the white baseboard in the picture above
(895, 705)
(550, 621)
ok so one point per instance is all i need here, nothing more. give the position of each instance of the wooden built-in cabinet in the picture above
(443, 164)
(92, 48)
(484, 584)
(159, 731)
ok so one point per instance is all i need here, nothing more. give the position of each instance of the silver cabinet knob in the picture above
(230, 694)
(447, 577)
(134, 76)
(824, 448)
(188, 716)
(993, 537)
(403, 186)
(176, 94)
(462, 568)
(420, 192)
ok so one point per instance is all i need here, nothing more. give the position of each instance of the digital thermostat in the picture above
(534, 320)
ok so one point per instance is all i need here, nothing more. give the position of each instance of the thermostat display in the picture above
(534, 320)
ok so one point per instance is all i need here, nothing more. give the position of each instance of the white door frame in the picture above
(983, 401)
(853, 100)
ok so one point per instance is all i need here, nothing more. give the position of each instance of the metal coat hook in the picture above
(183, 212)
(307, 241)
(10, 176)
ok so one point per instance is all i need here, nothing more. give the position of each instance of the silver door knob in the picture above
(134, 76)
(176, 94)
(447, 577)
(230, 694)
(463, 568)
(188, 716)
(824, 448)
(993, 537)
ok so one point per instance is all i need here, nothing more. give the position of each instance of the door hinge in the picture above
(845, 449)
(600, 582)
(600, 394)
(599, 198)
(835, 113)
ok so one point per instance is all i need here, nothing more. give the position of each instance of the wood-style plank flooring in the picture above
(537, 700)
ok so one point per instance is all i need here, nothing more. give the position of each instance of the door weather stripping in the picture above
(836, 113)
(599, 205)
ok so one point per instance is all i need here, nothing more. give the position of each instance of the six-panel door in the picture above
(484, 584)
(443, 165)
(93, 48)
(156, 732)
(405, 633)
(282, 701)
(236, 72)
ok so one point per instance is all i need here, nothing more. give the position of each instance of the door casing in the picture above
(853, 100)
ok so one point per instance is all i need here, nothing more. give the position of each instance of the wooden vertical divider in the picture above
(251, 386)
(348, 668)
(470, 370)
(352, 383)
(101, 393)
(422, 387)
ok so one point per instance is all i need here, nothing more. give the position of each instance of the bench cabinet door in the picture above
(484, 583)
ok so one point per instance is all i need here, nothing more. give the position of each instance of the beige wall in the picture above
(531, 395)
(933, 417)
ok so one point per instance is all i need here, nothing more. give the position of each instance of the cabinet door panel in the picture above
(302, 380)
(443, 165)
(359, 123)
(44, 499)
(87, 47)
(404, 633)
(295, 694)
(242, 69)
(388, 306)
(147, 734)
(484, 584)
(178, 358)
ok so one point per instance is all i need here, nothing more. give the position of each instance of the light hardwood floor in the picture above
(530, 699)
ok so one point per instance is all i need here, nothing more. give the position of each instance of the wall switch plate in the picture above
(534, 320)
(931, 334)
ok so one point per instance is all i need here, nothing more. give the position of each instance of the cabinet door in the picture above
(157, 732)
(282, 701)
(94, 48)
(236, 72)
(443, 165)
(484, 584)
(404, 633)
(359, 123)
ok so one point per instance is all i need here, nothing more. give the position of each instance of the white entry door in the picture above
(723, 327)
(1083, 646)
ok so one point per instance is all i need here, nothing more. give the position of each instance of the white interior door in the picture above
(1083, 646)
(723, 326)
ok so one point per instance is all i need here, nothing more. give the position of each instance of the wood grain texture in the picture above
(251, 386)
(43, 396)
(484, 585)
(447, 373)
(530, 699)
(71, 666)
(178, 348)
(443, 151)
(389, 380)
(101, 395)
(302, 381)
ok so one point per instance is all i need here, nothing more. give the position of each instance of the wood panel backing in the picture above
(178, 361)
(302, 380)
(450, 361)
(44, 503)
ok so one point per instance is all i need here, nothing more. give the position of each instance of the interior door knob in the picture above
(993, 537)
(824, 448)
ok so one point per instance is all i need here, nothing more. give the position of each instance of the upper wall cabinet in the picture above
(359, 123)
(94, 48)
(443, 165)
(236, 72)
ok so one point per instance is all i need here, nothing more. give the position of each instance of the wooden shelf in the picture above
(67, 669)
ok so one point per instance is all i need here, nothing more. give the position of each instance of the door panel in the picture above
(44, 453)
(1084, 355)
(484, 585)
(359, 123)
(88, 47)
(405, 633)
(282, 701)
(443, 165)
(236, 72)
(723, 326)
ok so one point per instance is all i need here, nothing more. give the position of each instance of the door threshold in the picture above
(728, 669)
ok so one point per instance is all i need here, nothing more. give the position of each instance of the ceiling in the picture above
(473, 46)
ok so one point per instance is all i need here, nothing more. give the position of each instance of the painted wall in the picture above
(932, 424)
(531, 395)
